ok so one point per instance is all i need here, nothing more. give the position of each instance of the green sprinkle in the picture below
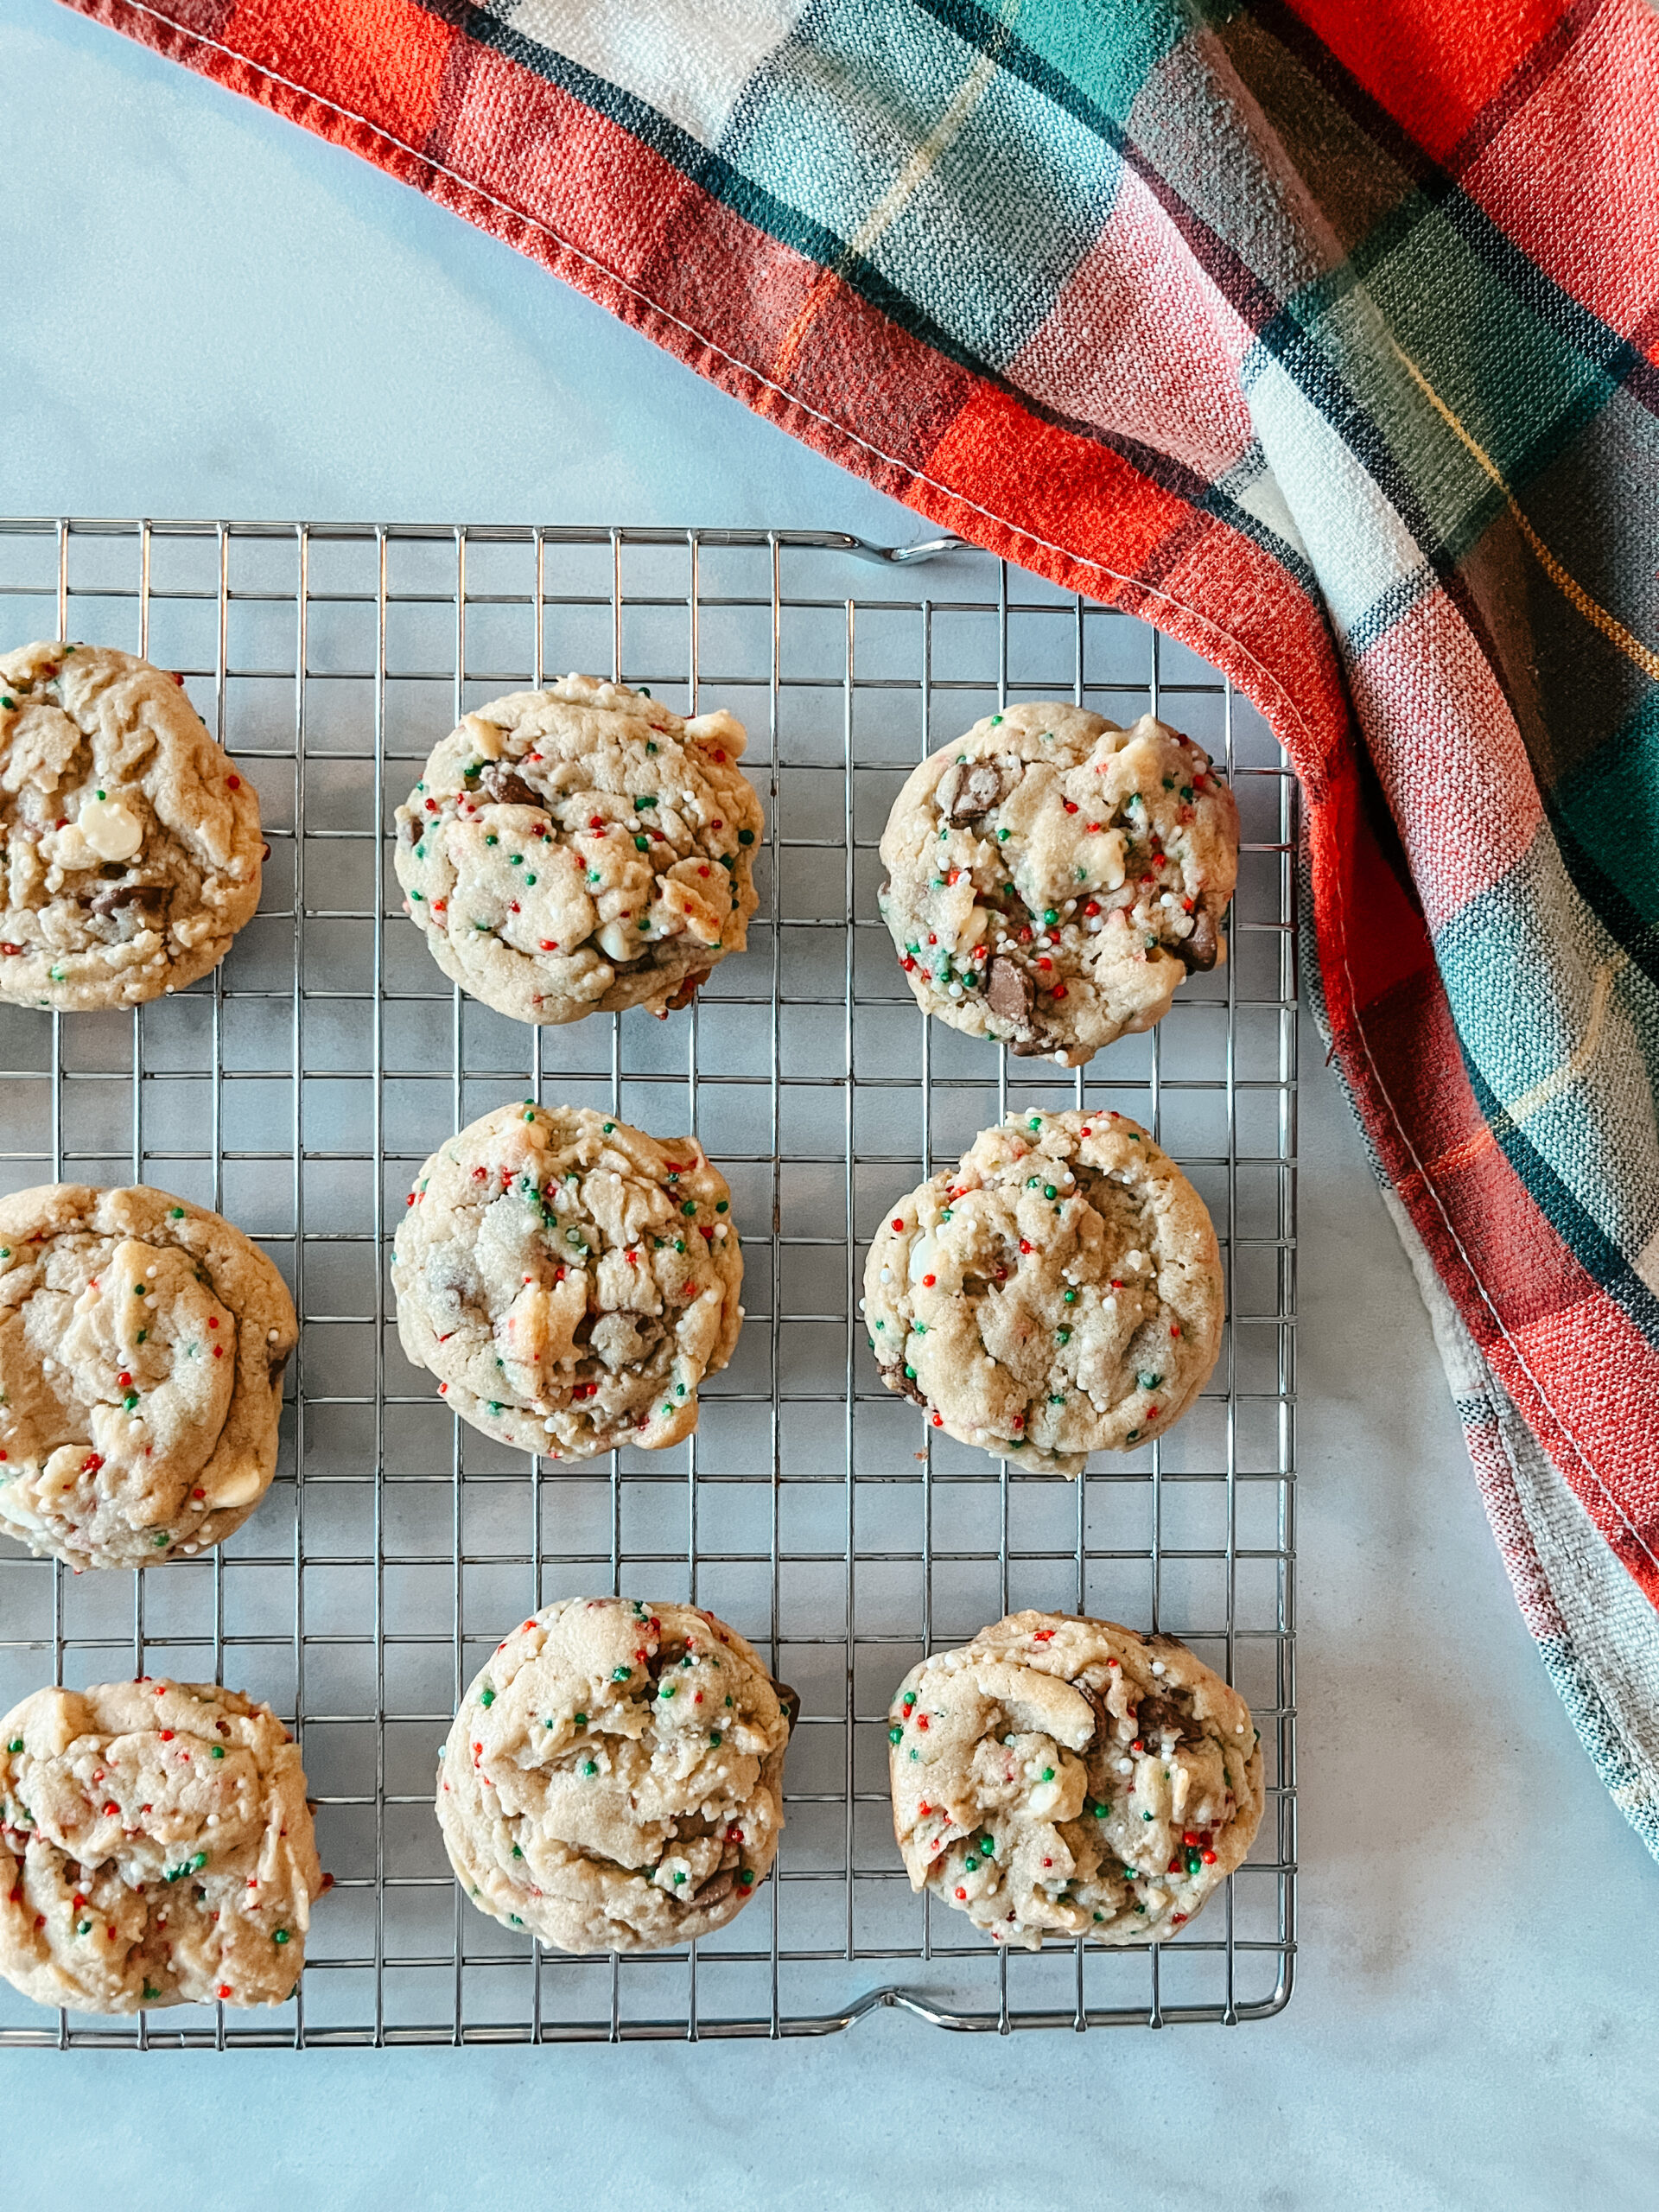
(665, 1689)
(492, 839)
(643, 690)
(216, 1751)
(713, 1737)
(722, 1205)
(746, 1878)
(515, 860)
(1145, 1817)
(84, 1928)
(642, 845)
(650, 800)
(1049, 1191)
(150, 1989)
(487, 1698)
(1036, 1121)
(620, 1674)
(746, 837)
(1070, 1298)
(895, 1735)
(131, 1400)
(15, 1744)
(1065, 1335)
(580, 1719)
(921, 1328)
(197, 1862)
(970, 1866)
(281, 1936)
(517, 1852)
(161, 1542)
(1002, 837)
(651, 748)
(690, 1207)
(609, 1126)
(1148, 1382)
(1048, 1774)
(589, 1767)
(530, 878)
(728, 1700)
(679, 1243)
(995, 719)
(988, 1845)
(910, 1375)
(1187, 793)
(1059, 1400)
(1050, 914)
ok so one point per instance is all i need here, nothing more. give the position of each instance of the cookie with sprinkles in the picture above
(581, 850)
(1052, 879)
(613, 1779)
(156, 1848)
(130, 844)
(1059, 1292)
(1065, 1778)
(142, 1341)
(571, 1281)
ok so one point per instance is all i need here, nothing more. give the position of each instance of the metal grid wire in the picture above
(298, 1089)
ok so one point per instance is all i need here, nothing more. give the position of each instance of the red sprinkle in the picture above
(897, 1222)
(232, 784)
(928, 1281)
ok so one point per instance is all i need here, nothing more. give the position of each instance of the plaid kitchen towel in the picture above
(1324, 335)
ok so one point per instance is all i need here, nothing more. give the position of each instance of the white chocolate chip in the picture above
(113, 831)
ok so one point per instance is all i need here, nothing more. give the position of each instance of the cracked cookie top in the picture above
(581, 850)
(142, 1341)
(156, 1848)
(1053, 878)
(1064, 1777)
(614, 1780)
(1059, 1292)
(569, 1280)
(129, 846)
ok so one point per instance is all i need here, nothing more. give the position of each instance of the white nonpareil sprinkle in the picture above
(887, 1274)
(150, 1274)
(270, 1336)
(1126, 1766)
(1157, 1666)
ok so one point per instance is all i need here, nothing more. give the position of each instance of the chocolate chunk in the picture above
(1199, 950)
(688, 989)
(1008, 993)
(965, 793)
(1157, 1716)
(151, 898)
(790, 1702)
(506, 787)
(274, 1371)
(894, 1377)
(714, 1891)
(1096, 1704)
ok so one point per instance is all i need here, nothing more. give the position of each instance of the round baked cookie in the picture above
(1063, 1777)
(1051, 878)
(1057, 1293)
(156, 1848)
(142, 1341)
(130, 845)
(569, 1280)
(613, 1779)
(581, 850)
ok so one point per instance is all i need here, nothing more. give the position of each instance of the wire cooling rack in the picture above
(298, 1089)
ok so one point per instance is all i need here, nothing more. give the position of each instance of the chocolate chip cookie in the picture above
(581, 850)
(569, 1280)
(1053, 878)
(130, 845)
(142, 1341)
(614, 1780)
(156, 1848)
(1063, 1777)
(1057, 1293)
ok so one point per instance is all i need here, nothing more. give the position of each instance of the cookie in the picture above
(569, 1280)
(1063, 1777)
(1053, 878)
(142, 1341)
(614, 1780)
(130, 844)
(581, 850)
(1057, 1293)
(156, 1848)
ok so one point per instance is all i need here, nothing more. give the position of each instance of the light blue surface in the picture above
(209, 313)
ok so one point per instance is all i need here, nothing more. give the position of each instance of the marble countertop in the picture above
(210, 313)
